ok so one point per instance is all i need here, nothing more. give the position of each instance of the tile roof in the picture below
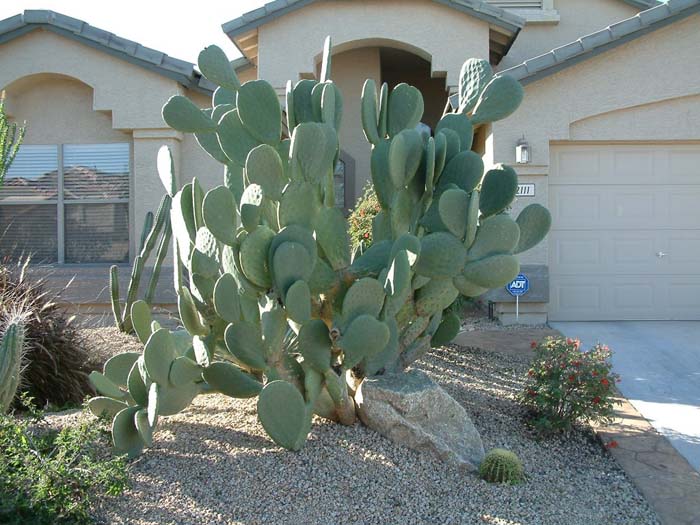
(591, 45)
(277, 8)
(156, 61)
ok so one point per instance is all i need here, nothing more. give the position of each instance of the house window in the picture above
(67, 204)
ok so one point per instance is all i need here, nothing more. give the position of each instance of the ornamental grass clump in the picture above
(566, 385)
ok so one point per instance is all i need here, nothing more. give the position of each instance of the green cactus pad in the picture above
(402, 208)
(283, 414)
(453, 144)
(189, 315)
(273, 320)
(386, 358)
(298, 234)
(365, 296)
(181, 114)
(202, 354)
(365, 336)
(368, 112)
(332, 237)
(299, 205)
(235, 139)
(117, 367)
(143, 427)
(442, 255)
(291, 262)
(253, 256)
(440, 154)
(244, 341)
(209, 141)
(226, 302)
(323, 278)
(251, 207)
(461, 125)
(298, 302)
(435, 296)
(409, 243)
(492, 272)
(153, 403)
(405, 109)
(264, 167)
(141, 320)
(475, 75)
(223, 95)
(303, 106)
(231, 381)
(500, 98)
(166, 172)
(381, 227)
(136, 385)
(332, 105)
(174, 400)
(182, 222)
(315, 345)
(379, 166)
(464, 170)
(289, 99)
(183, 371)
(313, 150)
(215, 66)
(496, 234)
(447, 331)
(472, 218)
(534, 222)
(125, 436)
(498, 189)
(452, 207)
(105, 406)
(158, 355)
(219, 213)
(405, 154)
(468, 289)
(373, 260)
(398, 278)
(259, 110)
(106, 386)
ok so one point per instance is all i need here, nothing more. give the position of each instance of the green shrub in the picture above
(53, 477)
(360, 219)
(566, 385)
(502, 466)
(54, 361)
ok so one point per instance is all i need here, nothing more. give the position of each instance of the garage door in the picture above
(625, 240)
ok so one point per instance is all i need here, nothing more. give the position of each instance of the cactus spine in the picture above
(277, 304)
(11, 349)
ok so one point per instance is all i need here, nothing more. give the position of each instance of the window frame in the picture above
(60, 203)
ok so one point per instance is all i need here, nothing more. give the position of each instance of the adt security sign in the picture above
(518, 286)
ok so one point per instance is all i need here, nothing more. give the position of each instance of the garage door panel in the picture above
(625, 240)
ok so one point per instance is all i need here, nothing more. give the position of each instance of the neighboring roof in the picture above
(612, 36)
(277, 8)
(643, 4)
(133, 52)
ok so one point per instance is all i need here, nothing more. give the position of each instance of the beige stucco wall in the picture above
(646, 90)
(577, 18)
(291, 44)
(71, 92)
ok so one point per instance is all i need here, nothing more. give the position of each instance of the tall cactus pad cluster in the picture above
(11, 350)
(274, 302)
(156, 231)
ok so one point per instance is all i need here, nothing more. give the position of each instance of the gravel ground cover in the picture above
(213, 464)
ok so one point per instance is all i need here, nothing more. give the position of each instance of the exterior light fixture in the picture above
(522, 152)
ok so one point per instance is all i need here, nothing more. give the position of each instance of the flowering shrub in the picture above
(566, 385)
(360, 219)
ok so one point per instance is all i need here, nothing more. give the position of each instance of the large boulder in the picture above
(412, 410)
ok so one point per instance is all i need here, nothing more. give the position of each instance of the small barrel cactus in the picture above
(502, 466)
(11, 349)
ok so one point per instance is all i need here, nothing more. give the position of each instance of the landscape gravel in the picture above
(213, 464)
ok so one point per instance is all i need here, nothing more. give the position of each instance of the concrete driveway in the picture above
(659, 362)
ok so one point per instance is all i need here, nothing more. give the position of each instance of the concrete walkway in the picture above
(659, 362)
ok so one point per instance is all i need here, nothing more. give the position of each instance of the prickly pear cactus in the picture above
(11, 350)
(273, 301)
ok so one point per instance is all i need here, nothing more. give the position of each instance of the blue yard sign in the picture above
(518, 286)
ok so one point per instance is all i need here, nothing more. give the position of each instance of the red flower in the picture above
(577, 363)
(596, 400)
(595, 373)
(604, 382)
(532, 393)
(569, 341)
(612, 444)
(530, 373)
(366, 236)
(533, 344)
(572, 378)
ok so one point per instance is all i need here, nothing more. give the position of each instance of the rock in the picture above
(414, 411)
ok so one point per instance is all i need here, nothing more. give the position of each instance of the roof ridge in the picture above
(566, 55)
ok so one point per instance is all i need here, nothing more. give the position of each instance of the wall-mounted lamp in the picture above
(522, 152)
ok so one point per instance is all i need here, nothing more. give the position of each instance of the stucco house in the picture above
(611, 120)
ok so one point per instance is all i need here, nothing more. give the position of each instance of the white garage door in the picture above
(625, 241)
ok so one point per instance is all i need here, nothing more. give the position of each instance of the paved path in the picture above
(659, 362)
